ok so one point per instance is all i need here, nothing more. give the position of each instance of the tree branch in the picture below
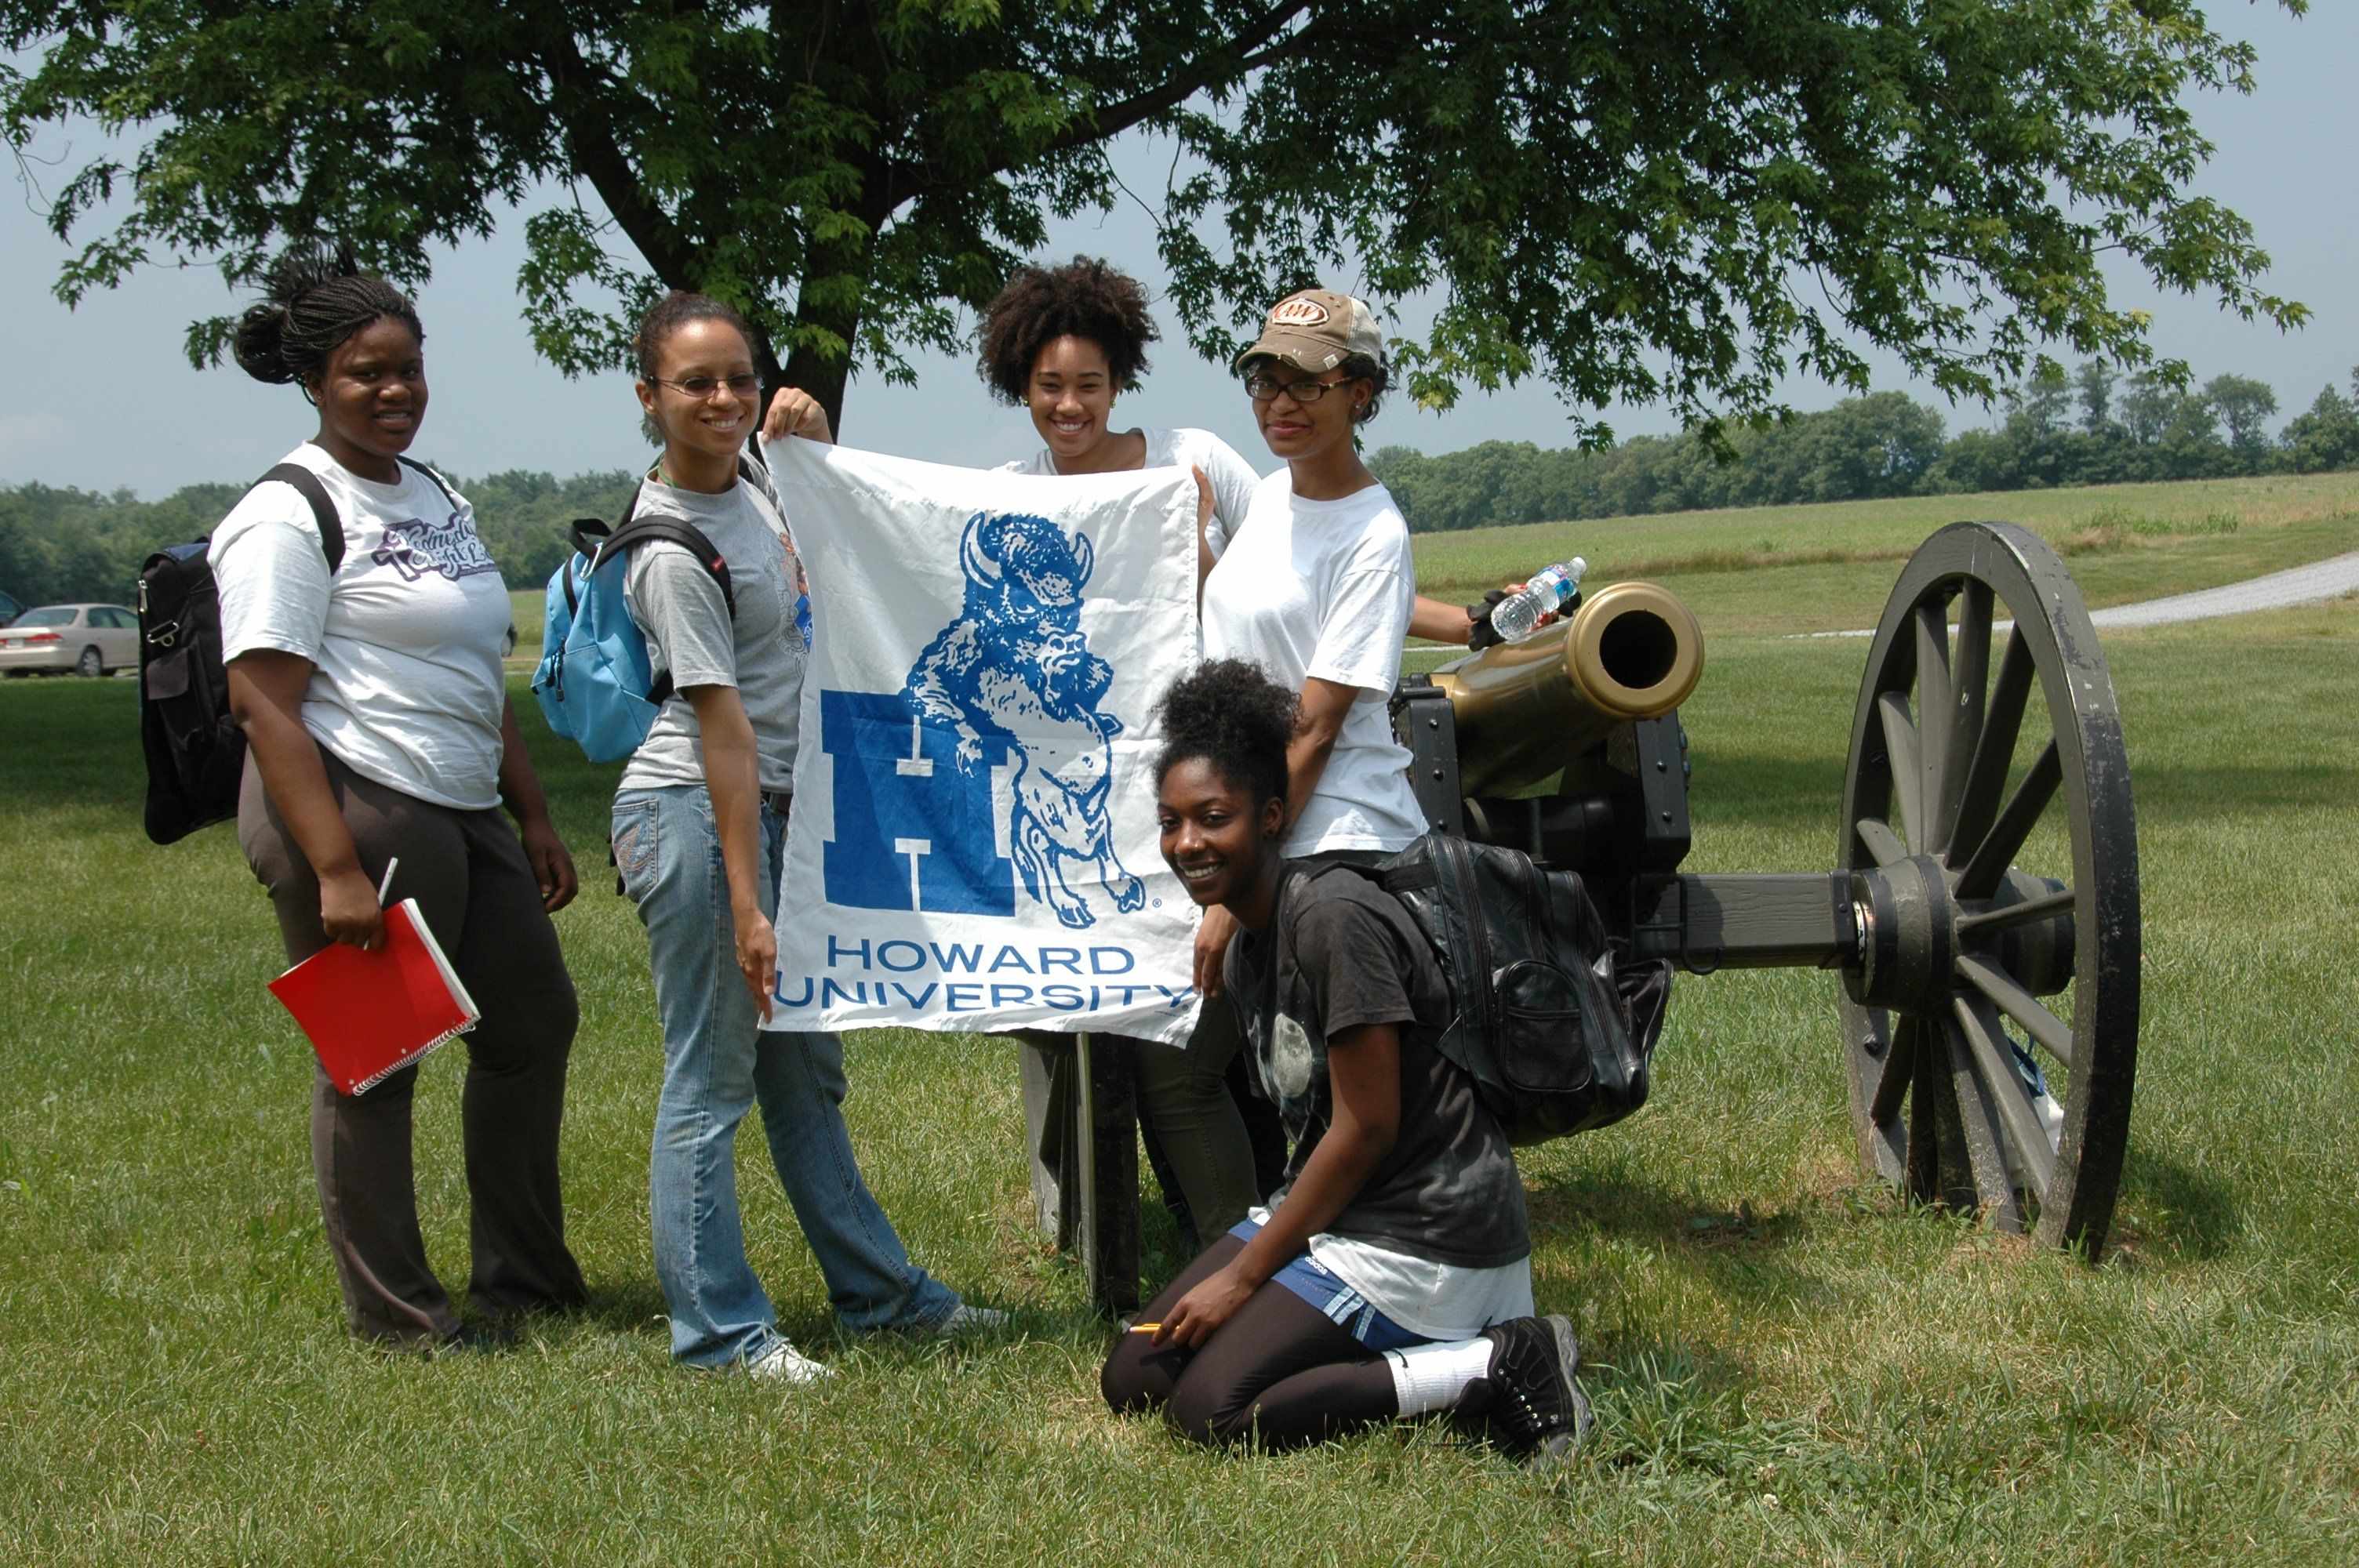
(1234, 55)
(602, 161)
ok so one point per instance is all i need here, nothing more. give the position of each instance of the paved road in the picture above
(2318, 580)
(2278, 591)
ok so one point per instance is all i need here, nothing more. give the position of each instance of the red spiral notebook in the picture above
(371, 1014)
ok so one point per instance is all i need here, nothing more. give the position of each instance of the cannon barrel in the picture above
(1525, 710)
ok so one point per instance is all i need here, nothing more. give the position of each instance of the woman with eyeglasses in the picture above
(367, 681)
(699, 825)
(1317, 588)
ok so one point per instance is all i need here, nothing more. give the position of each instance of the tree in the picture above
(1632, 200)
(2245, 406)
(2094, 380)
(2327, 437)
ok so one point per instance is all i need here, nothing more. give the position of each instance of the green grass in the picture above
(1789, 1367)
(1799, 568)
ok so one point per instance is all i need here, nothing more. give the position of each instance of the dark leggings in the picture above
(1279, 1371)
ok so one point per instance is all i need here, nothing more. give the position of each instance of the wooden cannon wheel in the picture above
(1989, 833)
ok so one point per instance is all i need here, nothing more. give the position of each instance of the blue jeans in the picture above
(718, 1063)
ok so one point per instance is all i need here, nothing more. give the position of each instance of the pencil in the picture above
(1142, 1328)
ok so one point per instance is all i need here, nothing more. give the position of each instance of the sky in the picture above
(101, 397)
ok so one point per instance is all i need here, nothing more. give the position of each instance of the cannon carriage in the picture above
(1981, 909)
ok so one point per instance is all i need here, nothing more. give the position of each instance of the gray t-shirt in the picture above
(680, 608)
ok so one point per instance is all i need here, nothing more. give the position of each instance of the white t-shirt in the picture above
(1232, 478)
(1322, 589)
(404, 639)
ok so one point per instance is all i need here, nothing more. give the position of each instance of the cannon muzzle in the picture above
(1525, 710)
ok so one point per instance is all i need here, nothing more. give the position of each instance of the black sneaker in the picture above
(1535, 1408)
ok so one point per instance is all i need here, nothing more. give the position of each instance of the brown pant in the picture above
(468, 873)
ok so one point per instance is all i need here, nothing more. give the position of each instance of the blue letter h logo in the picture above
(913, 829)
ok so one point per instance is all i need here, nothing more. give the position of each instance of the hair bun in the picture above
(260, 344)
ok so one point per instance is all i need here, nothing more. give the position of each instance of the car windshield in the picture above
(54, 615)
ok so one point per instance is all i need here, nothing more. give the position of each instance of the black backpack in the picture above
(194, 749)
(1555, 1024)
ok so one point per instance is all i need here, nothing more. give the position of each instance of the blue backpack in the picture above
(596, 683)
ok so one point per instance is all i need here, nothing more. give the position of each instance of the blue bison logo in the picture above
(1014, 675)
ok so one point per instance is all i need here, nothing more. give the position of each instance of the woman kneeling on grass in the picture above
(1391, 1275)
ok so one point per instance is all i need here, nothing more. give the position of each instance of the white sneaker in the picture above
(782, 1363)
(966, 1319)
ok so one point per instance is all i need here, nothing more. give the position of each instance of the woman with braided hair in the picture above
(1390, 1275)
(370, 689)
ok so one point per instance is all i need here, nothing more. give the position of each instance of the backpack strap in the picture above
(430, 473)
(323, 510)
(596, 542)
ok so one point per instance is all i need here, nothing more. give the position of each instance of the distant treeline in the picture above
(2090, 427)
(68, 544)
(2086, 428)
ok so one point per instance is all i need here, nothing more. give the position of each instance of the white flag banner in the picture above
(973, 844)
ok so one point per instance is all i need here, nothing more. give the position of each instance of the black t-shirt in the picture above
(1342, 953)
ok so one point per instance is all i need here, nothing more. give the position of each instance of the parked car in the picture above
(54, 638)
(10, 608)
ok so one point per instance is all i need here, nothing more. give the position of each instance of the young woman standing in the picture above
(699, 826)
(1317, 590)
(1063, 343)
(378, 726)
(1392, 1274)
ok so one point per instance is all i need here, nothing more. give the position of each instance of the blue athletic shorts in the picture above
(1328, 1294)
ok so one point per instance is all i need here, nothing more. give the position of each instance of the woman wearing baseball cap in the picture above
(1316, 589)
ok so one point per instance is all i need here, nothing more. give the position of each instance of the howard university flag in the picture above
(973, 839)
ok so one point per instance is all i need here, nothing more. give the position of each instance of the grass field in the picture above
(1788, 1366)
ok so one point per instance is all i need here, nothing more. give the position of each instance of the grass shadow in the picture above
(2170, 1207)
(1744, 1254)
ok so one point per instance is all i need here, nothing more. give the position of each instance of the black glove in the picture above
(1480, 634)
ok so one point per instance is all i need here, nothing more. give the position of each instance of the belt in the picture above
(778, 800)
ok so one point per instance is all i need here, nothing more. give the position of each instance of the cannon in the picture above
(1983, 907)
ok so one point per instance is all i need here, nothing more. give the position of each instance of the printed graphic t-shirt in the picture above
(680, 608)
(1342, 953)
(404, 639)
(1322, 589)
(1232, 478)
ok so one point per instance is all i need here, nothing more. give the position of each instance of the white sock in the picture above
(1431, 1377)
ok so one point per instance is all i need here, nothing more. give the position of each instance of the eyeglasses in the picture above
(704, 386)
(1262, 387)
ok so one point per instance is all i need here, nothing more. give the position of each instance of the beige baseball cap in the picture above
(1314, 329)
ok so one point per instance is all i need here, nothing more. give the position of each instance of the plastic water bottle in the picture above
(1518, 616)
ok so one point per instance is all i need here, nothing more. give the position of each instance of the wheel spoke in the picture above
(1892, 1073)
(1984, 1136)
(2019, 1004)
(2024, 914)
(1907, 772)
(1994, 746)
(1882, 843)
(1969, 675)
(1927, 1089)
(1933, 702)
(2023, 1129)
(1999, 846)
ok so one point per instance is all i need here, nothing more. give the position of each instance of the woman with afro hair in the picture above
(1062, 342)
(1390, 1274)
